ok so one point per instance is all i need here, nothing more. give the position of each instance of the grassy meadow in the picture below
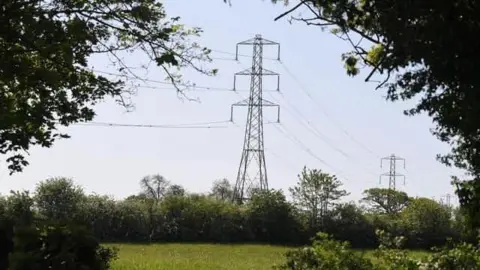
(201, 256)
(197, 256)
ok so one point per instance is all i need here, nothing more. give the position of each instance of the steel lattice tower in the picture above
(252, 171)
(392, 173)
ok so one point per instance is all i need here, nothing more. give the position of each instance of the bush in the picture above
(325, 254)
(348, 223)
(29, 242)
(272, 219)
(460, 256)
(390, 254)
(58, 247)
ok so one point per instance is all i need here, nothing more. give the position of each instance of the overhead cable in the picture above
(303, 88)
(295, 140)
(204, 125)
(193, 86)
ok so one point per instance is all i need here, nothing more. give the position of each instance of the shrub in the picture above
(390, 254)
(325, 254)
(58, 247)
(460, 256)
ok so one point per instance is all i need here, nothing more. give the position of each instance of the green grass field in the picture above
(197, 256)
(201, 256)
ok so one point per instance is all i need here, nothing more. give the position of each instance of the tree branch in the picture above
(289, 11)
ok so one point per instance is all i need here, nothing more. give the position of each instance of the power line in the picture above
(290, 136)
(163, 82)
(242, 55)
(311, 128)
(283, 159)
(103, 124)
(201, 125)
(184, 125)
(315, 131)
(303, 88)
(193, 86)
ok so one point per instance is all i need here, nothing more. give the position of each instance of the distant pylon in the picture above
(448, 200)
(254, 176)
(392, 174)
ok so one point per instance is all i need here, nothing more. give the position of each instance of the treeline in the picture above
(165, 212)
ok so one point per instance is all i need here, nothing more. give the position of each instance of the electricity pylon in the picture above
(392, 174)
(252, 171)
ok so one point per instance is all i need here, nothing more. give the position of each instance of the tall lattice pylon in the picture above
(252, 171)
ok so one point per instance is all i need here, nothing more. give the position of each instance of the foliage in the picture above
(45, 46)
(325, 254)
(28, 241)
(267, 218)
(348, 223)
(222, 190)
(428, 222)
(201, 218)
(58, 199)
(425, 55)
(154, 187)
(316, 192)
(460, 256)
(391, 255)
(58, 247)
(175, 190)
(383, 200)
(271, 217)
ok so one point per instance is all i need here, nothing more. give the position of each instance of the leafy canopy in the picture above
(44, 75)
(316, 191)
(422, 51)
(385, 201)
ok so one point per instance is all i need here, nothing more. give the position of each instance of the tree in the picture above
(385, 201)
(425, 54)
(271, 217)
(175, 190)
(347, 222)
(154, 187)
(315, 192)
(45, 46)
(427, 222)
(58, 199)
(222, 190)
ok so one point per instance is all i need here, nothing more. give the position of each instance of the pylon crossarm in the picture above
(267, 72)
(246, 72)
(268, 103)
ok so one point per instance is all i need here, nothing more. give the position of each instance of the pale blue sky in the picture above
(113, 160)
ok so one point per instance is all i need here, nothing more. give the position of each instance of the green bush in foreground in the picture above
(325, 253)
(58, 247)
(461, 256)
(329, 254)
(29, 241)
